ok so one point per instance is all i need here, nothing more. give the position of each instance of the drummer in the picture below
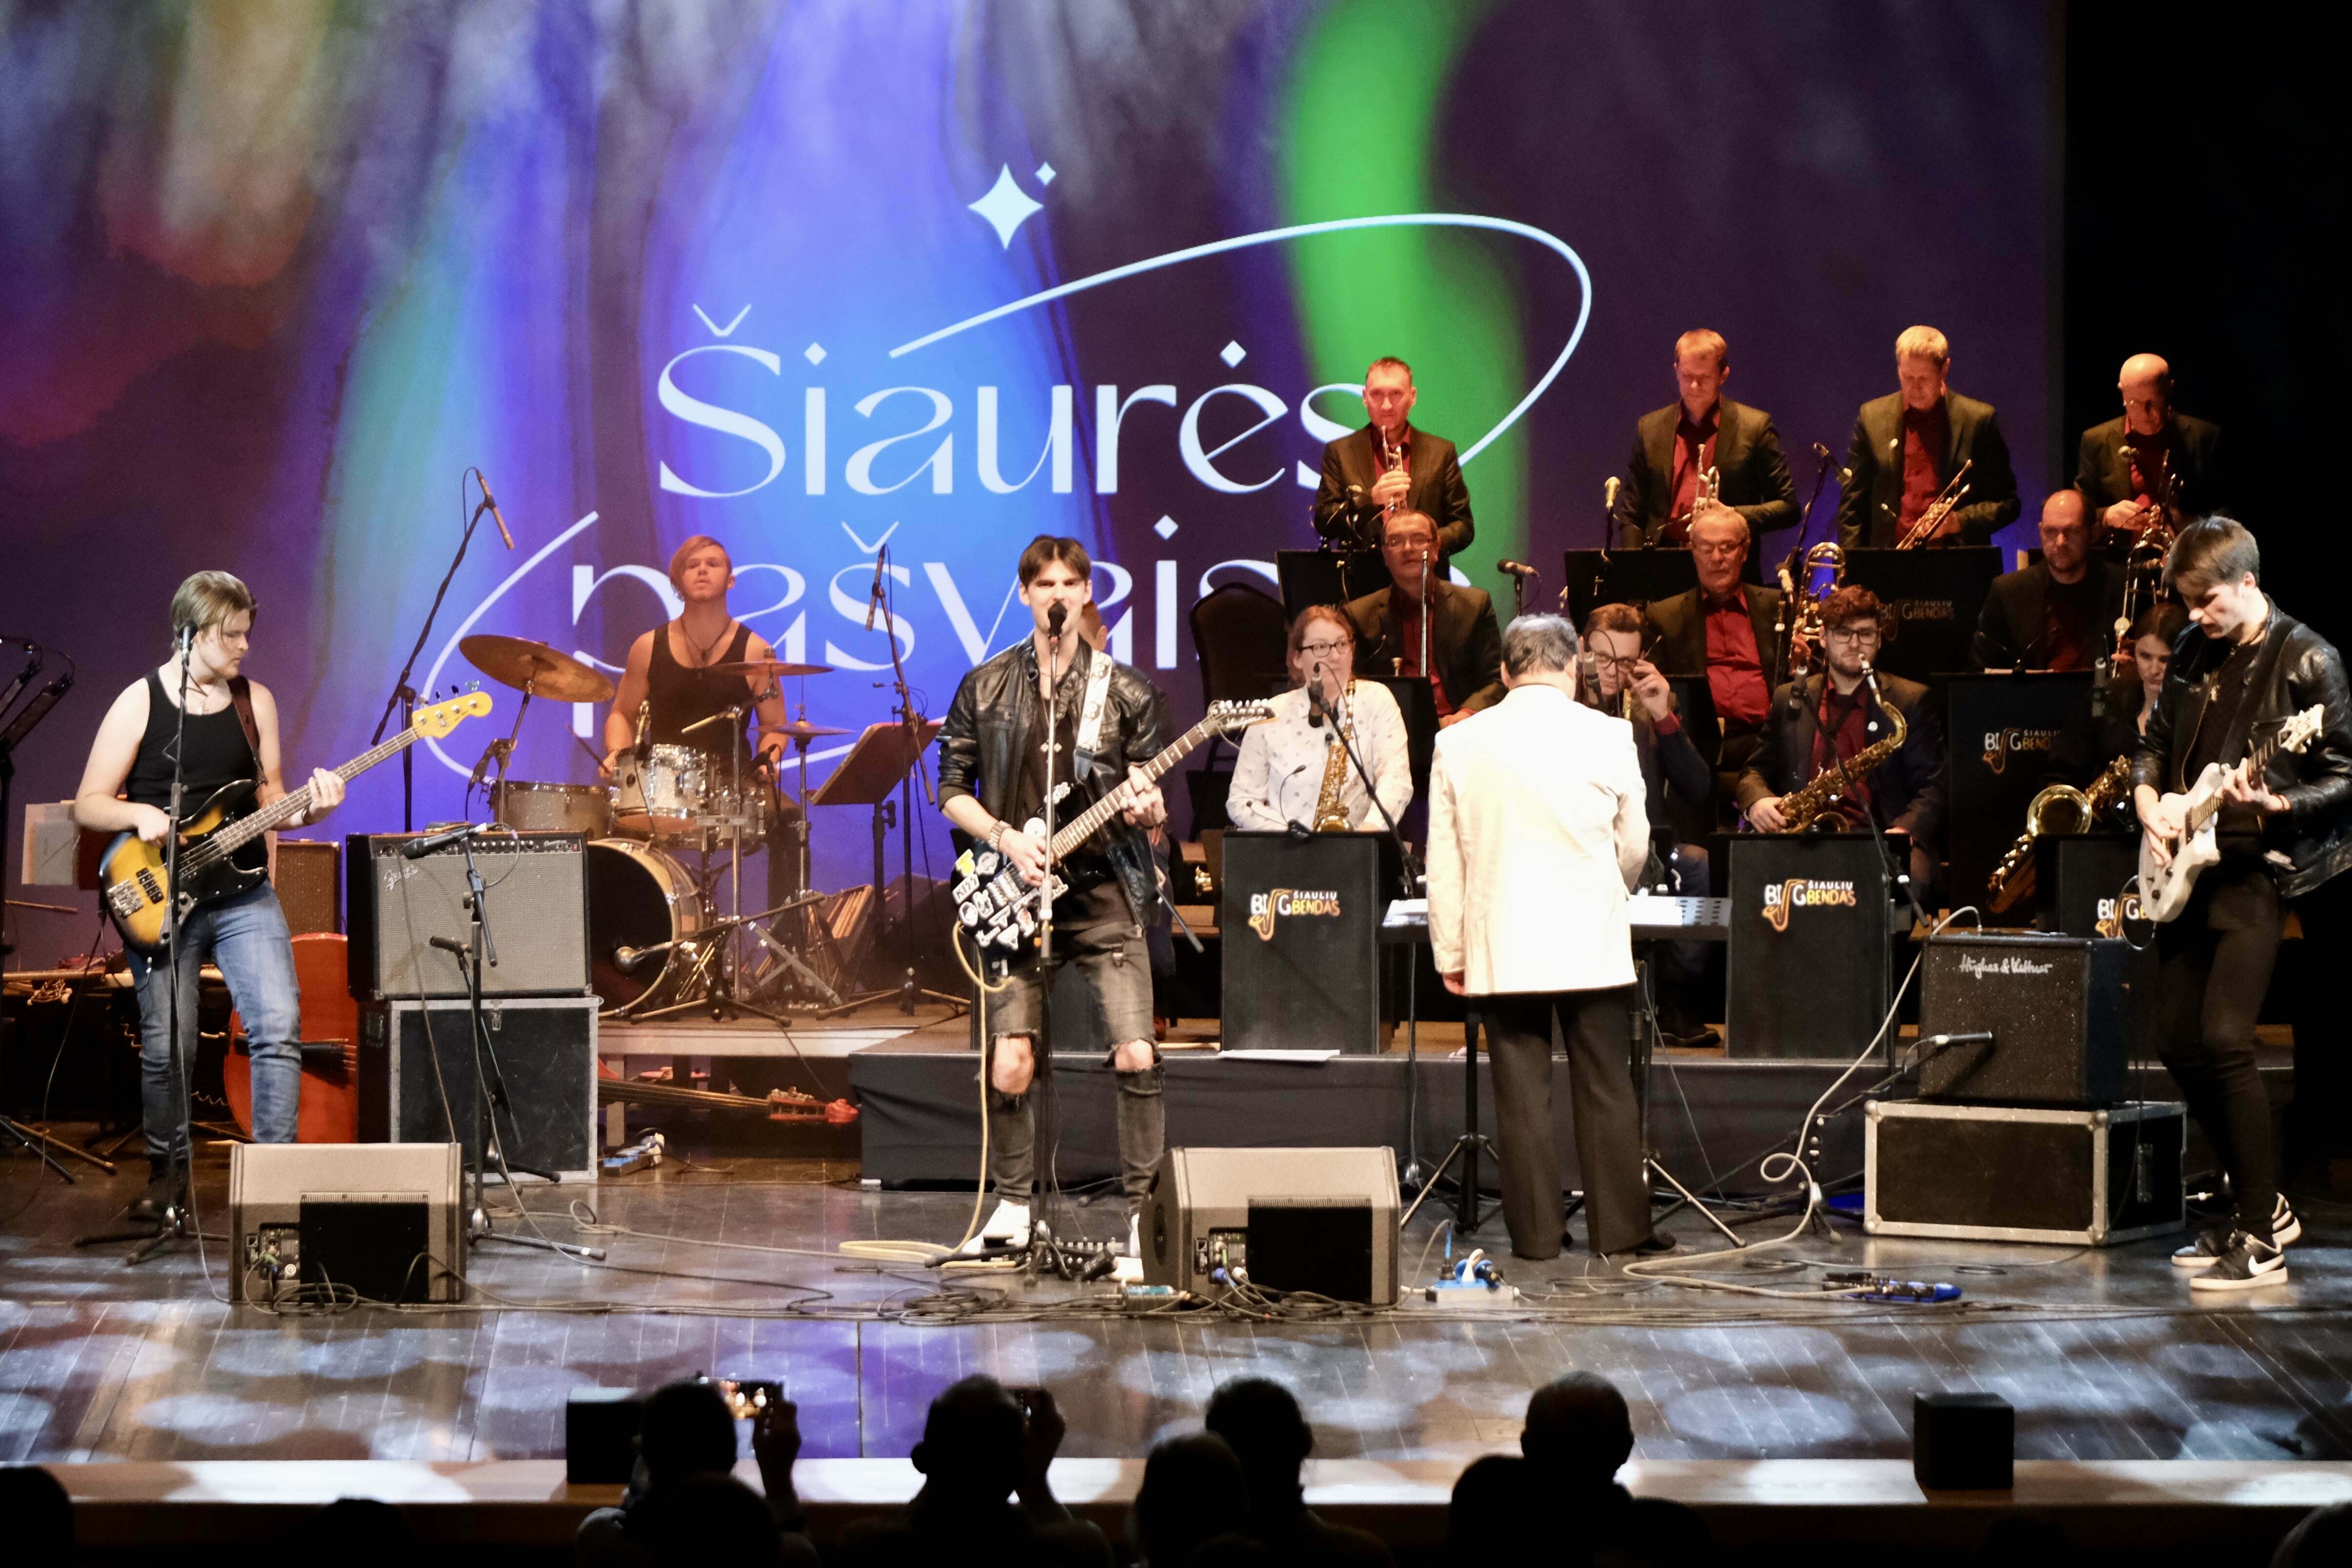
(667, 673)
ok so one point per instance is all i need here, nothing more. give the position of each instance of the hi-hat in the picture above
(800, 731)
(771, 666)
(534, 667)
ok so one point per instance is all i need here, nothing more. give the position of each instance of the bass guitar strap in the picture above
(240, 692)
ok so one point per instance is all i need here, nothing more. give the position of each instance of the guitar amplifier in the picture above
(2055, 1006)
(381, 1219)
(538, 888)
(416, 1079)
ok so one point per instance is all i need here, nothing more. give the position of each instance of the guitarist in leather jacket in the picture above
(125, 788)
(992, 783)
(2241, 670)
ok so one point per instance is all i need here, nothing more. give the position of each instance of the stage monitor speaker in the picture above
(1322, 1220)
(384, 1220)
(309, 876)
(538, 888)
(2055, 1006)
(545, 1050)
(1963, 1442)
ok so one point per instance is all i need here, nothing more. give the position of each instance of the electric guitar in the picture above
(135, 888)
(2164, 892)
(999, 909)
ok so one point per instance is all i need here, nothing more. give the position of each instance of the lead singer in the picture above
(1537, 834)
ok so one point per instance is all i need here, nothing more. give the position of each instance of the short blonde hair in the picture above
(1923, 342)
(208, 599)
(1703, 341)
(679, 556)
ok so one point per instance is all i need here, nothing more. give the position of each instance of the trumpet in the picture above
(1932, 520)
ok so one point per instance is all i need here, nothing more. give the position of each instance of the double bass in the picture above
(329, 1112)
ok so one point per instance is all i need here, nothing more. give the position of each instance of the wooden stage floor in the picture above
(2105, 1355)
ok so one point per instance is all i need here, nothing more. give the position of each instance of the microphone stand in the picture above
(1041, 1061)
(404, 695)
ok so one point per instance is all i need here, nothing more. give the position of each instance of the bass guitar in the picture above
(1000, 909)
(135, 888)
(2164, 891)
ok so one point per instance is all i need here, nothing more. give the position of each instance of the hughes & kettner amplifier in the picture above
(1323, 1220)
(1997, 1173)
(2055, 1006)
(537, 888)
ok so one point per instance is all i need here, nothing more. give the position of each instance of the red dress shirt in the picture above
(1694, 452)
(1842, 731)
(1735, 670)
(1925, 437)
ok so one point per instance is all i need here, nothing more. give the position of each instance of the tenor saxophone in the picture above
(2058, 811)
(1331, 810)
(1827, 790)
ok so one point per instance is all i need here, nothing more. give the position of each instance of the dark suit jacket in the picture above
(1677, 634)
(2009, 632)
(1872, 501)
(1437, 488)
(2103, 469)
(1465, 643)
(1755, 482)
(1907, 790)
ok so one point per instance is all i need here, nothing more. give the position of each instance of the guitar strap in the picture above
(240, 692)
(1091, 713)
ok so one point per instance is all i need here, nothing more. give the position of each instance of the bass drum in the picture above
(637, 897)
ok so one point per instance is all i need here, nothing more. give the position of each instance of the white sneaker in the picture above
(1008, 1226)
(1128, 1270)
(2247, 1265)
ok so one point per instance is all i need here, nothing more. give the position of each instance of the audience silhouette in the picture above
(1262, 1422)
(688, 1435)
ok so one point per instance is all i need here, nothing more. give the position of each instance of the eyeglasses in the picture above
(1866, 632)
(1621, 666)
(1722, 547)
(1324, 649)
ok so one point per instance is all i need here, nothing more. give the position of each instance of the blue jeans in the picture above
(247, 936)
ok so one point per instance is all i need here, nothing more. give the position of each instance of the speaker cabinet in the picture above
(381, 1219)
(417, 1080)
(309, 876)
(2055, 1008)
(1989, 1173)
(1323, 1220)
(538, 898)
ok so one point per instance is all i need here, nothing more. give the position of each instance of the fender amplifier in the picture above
(2055, 1008)
(1323, 1220)
(538, 888)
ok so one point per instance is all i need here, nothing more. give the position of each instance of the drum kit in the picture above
(674, 822)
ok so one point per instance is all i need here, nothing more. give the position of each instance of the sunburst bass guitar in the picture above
(137, 890)
(999, 909)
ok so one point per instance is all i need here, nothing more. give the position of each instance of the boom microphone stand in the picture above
(1041, 1060)
(404, 695)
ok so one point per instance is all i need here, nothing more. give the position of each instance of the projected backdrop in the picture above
(816, 279)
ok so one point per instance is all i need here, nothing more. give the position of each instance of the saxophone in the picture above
(2060, 809)
(1330, 812)
(1827, 790)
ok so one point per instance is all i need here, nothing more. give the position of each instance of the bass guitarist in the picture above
(994, 757)
(126, 787)
(2239, 669)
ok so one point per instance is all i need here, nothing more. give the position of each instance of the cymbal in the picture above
(520, 662)
(775, 667)
(800, 732)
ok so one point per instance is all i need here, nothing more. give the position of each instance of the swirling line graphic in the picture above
(1301, 231)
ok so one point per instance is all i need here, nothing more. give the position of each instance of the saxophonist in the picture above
(1818, 725)
(1293, 770)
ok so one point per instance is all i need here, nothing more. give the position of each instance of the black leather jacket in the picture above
(2299, 668)
(993, 709)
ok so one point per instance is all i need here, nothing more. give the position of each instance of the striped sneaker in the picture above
(2247, 1265)
(2285, 1230)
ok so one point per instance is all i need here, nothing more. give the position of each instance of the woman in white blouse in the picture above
(1279, 775)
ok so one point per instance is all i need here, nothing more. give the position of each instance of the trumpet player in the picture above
(1908, 446)
(2058, 613)
(1702, 437)
(1818, 724)
(2127, 467)
(1389, 466)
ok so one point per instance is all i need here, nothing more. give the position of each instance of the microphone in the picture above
(626, 959)
(187, 637)
(418, 848)
(1056, 618)
(644, 724)
(874, 594)
(1315, 698)
(493, 503)
(1609, 489)
(1516, 568)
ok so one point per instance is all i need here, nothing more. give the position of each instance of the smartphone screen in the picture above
(748, 1398)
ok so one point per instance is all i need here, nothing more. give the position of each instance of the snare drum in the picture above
(637, 897)
(661, 795)
(585, 809)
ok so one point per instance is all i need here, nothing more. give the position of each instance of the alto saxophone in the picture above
(1330, 812)
(2060, 810)
(1827, 790)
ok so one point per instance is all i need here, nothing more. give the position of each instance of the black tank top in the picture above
(682, 696)
(217, 752)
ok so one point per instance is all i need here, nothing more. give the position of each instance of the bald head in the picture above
(2066, 535)
(2145, 383)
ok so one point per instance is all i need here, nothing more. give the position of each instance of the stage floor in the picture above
(2105, 1355)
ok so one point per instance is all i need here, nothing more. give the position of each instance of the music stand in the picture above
(880, 761)
(1624, 576)
(1326, 578)
(1418, 704)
